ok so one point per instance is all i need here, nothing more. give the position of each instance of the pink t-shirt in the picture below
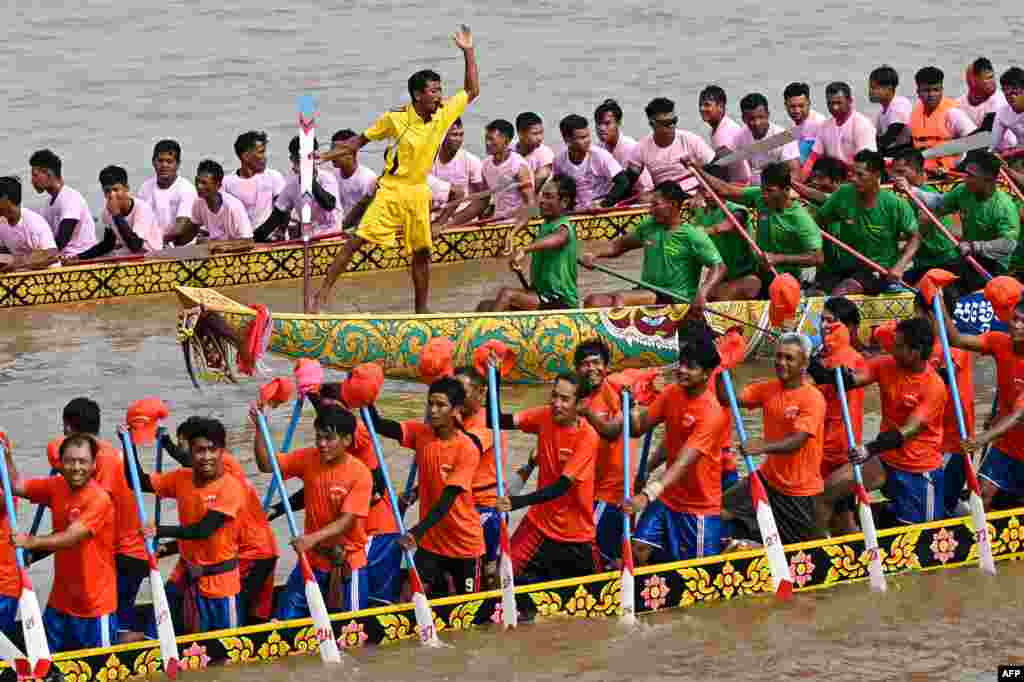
(978, 113)
(727, 135)
(290, 199)
(440, 191)
(899, 111)
(351, 190)
(31, 233)
(664, 162)
(256, 193)
(1008, 124)
(787, 152)
(69, 204)
(168, 204)
(463, 170)
(593, 176)
(843, 142)
(143, 223)
(623, 152)
(539, 157)
(230, 222)
(808, 130)
(506, 203)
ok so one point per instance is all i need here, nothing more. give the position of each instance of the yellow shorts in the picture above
(398, 209)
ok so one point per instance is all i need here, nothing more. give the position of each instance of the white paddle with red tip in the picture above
(782, 579)
(985, 561)
(509, 611)
(161, 609)
(627, 591)
(424, 614)
(37, 647)
(314, 597)
(876, 576)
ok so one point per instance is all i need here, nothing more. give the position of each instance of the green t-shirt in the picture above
(936, 250)
(553, 271)
(732, 247)
(994, 218)
(875, 232)
(1017, 259)
(791, 232)
(673, 259)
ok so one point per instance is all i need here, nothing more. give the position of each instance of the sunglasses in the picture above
(663, 122)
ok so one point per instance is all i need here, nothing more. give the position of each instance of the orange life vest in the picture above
(930, 131)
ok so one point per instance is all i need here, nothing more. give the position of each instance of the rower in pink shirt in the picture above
(255, 185)
(725, 132)
(663, 152)
(806, 121)
(843, 135)
(22, 231)
(757, 126)
(502, 167)
(356, 183)
(223, 216)
(71, 222)
(168, 194)
(530, 145)
(608, 120)
(131, 225)
(456, 165)
(322, 207)
(600, 180)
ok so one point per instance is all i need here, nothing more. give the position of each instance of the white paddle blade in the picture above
(876, 576)
(985, 561)
(164, 623)
(8, 651)
(628, 598)
(777, 563)
(509, 611)
(425, 620)
(321, 620)
(36, 645)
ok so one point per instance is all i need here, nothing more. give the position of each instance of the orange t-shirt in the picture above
(836, 448)
(110, 474)
(10, 578)
(699, 424)
(442, 463)
(906, 395)
(1009, 382)
(381, 519)
(786, 411)
(608, 476)
(964, 363)
(728, 454)
(343, 487)
(85, 579)
(563, 451)
(256, 538)
(485, 481)
(224, 495)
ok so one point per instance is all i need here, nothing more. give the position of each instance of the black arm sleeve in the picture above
(323, 197)
(99, 248)
(437, 512)
(553, 491)
(277, 218)
(379, 486)
(210, 524)
(891, 134)
(385, 427)
(886, 440)
(132, 240)
(621, 186)
(179, 455)
(297, 501)
(64, 232)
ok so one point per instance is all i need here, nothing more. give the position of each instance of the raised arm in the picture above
(464, 41)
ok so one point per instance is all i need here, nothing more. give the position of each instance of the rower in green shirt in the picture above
(1015, 169)
(827, 174)
(674, 255)
(872, 221)
(553, 260)
(786, 232)
(990, 219)
(741, 282)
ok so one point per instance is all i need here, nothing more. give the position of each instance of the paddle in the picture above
(410, 485)
(161, 610)
(985, 561)
(760, 147)
(10, 652)
(161, 433)
(286, 446)
(37, 521)
(959, 146)
(28, 603)
(307, 141)
(509, 611)
(862, 258)
(627, 592)
(876, 576)
(782, 580)
(641, 467)
(949, 235)
(314, 597)
(424, 614)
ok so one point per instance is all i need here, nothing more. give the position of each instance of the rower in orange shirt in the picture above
(202, 592)
(337, 489)
(82, 610)
(10, 576)
(909, 470)
(449, 535)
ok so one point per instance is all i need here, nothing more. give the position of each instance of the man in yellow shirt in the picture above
(402, 203)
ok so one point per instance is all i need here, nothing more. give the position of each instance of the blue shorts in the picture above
(292, 602)
(215, 613)
(677, 535)
(491, 523)
(729, 479)
(383, 569)
(130, 574)
(915, 497)
(67, 633)
(1003, 471)
(608, 519)
(8, 611)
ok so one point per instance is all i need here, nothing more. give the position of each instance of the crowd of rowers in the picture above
(836, 156)
(688, 500)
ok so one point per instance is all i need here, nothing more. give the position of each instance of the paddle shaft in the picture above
(627, 493)
(848, 422)
(9, 502)
(286, 446)
(950, 368)
(268, 442)
(128, 448)
(1014, 188)
(158, 501)
(934, 220)
(492, 407)
(737, 418)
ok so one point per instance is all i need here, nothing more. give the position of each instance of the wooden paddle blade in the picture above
(509, 610)
(876, 574)
(777, 563)
(164, 623)
(36, 645)
(424, 618)
(322, 621)
(985, 561)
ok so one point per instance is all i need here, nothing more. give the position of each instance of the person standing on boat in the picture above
(904, 461)
(786, 232)
(600, 180)
(552, 257)
(169, 195)
(663, 152)
(325, 199)
(449, 538)
(255, 185)
(67, 212)
(757, 126)
(530, 145)
(806, 121)
(131, 226)
(892, 124)
(846, 133)
(674, 255)
(507, 174)
(608, 124)
(223, 216)
(337, 490)
(82, 609)
(725, 132)
(23, 231)
(793, 410)
(936, 119)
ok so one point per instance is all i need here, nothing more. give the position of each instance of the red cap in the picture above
(837, 337)
(933, 281)
(436, 359)
(143, 418)
(1004, 294)
(363, 385)
(732, 348)
(784, 292)
(640, 383)
(885, 335)
(506, 356)
(277, 392)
